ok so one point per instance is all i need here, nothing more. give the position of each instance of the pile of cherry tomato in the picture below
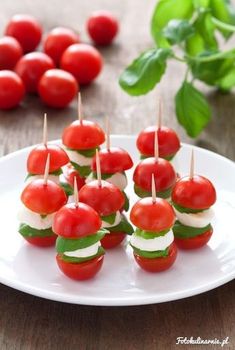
(56, 73)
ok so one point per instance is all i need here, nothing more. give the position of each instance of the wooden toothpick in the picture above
(79, 107)
(191, 173)
(75, 193)
(153, 189)
(44, 138)
(107, 133)
(47, 167)
(159, 117)
(98, 171)
(156, 151)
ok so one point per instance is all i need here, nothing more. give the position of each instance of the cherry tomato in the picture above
(83, 135)
(57, 41)
(26, 30)
(70, 173)
(47, 241)
(105, 199)
(164, 174)
(113, 160)
(152, 216)
(194, 242)
(11, 89)
(83, 61)
(112, 240)
(157, 264)
(43, 198)
(168, 142)
(57, 88)
(102, 27)
(37, 159)
(76, 222)
(31, 67)
(195, 193)
(10, 52)
(80, 271)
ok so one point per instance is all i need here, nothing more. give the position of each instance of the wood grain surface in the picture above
(27, 322)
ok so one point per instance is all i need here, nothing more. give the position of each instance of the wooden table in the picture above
(28, 322)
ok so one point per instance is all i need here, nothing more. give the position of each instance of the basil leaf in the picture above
(68, 189)
(151, 255)
(142, 193)
(71, 244)
(186, 210)
(110, 219)
(27, 231)
(149, 234)
(56, 172)
(198, 4)
(195, 45)
(228, 81)
(182, 231)
(223, 11)
(166, 10)
(123, 226)
(43, 216)
(71, 259)
(127, 202)
(177, 31)
(103, 176)
(144, 72)
(84, 170)
(206, 28)
(88, 153)
(192, 109)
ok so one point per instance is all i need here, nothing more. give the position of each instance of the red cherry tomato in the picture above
(196, 193)
(10, 52)
(75, 222)
(113, 160)
(31, 67)
(57, 41)
(155, 217)
(11, 89)
(164, 174)
(43, 198)
(80, 271)
(194, 242)
(112, 240)
(102, 27)
(83, 135)
(168, 142)
(105, 199)
(57, 88)
(42, 241)
(83, 61)
(26, 30)
(37, 159)
(158, 264)
(70, 173)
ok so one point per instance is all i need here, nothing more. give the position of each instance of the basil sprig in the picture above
(182, 231)
(27, 231)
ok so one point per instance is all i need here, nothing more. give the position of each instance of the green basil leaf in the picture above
(43, 216)
(151, 255)
(169, 157)
(142, 193)
(149, 234)
(84, 170)
(123, 226)
(103, 176)
(182, 231)
(71, 259)
(56, 172)
(88, 153)
(199, 4)
(186, 210)
(177, 31)
(27, 231)
(144, 72)
(166, 10)
(68, 189)
(206, 28)
(71, 244)
(223, 11)
(192, 109)
(195, 45)
(127, 202)
(110, 219)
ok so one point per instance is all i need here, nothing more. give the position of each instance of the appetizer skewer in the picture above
(192, 198)
(153, 241)
(79, 252)
(41, 199)
(107, 200)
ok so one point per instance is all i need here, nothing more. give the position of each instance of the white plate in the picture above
(121, 281)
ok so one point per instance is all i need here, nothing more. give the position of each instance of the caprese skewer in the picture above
(41, 199)
(153, 241)
(168, 140)
(80, 139)
(164, 175)
(79, 252)
(108, 201)
(192, 198)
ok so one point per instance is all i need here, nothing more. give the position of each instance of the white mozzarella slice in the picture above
(85, 252)
(54, 178)
(200, 219)
(34, 220)
(119, 180)
(118, 219)
(78, 158)
(151, 245)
